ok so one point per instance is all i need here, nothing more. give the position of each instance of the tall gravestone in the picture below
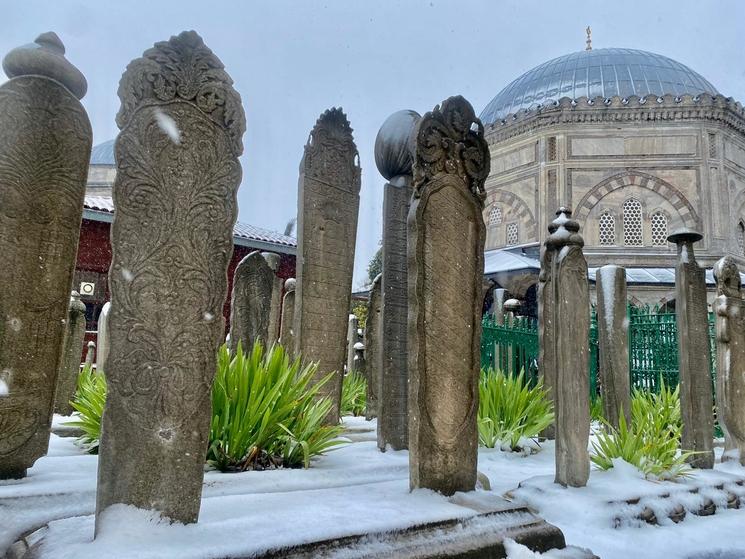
(500, 296)
(393, 157)
(564, 327)
(287, 338)
(613, 343)
(446, 235)
(729, 309)
(72, 350)
(251, 302)
(328, 204)
(102, 337)
(45, 144)
(177, 177)
(373, 348)
(352, 338)
(275, 307)
(694, 357)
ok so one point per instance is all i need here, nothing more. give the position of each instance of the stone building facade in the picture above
(634, 158)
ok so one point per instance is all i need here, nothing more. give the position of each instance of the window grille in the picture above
(741, 237)
(607, 229)
(495, 216)
(512, 235)
(712, 146)
(552, 148)
(632, 223)
(659, 229)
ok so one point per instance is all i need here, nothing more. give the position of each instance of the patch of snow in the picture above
(168, 126)
(4, 390)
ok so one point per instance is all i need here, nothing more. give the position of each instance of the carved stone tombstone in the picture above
(373, 348)
(102, 337)
(328, 204)
(287, 338)
(177, 178)
(694, 357)
(275, 308)
(613, 343)
(251, 302)
(352, 338)
(393, 157)
(90, 354)
(45, 144)
(564, 326)
(500, 295)
(69, 362)
(730, 329)
(446, 235)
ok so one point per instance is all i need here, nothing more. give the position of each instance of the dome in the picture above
(103, 154)
(596, 73)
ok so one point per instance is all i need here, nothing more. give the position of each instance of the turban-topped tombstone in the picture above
(45, 145)
(69, 362)
(393, 157)
(177, 178)
(446, 234)
(286, 337)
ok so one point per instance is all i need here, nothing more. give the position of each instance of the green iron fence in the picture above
(653, 347)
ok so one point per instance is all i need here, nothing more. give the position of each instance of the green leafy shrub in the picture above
(353, 394)
(89, 401)
(596, 409)
(511, 410)
(265, 411)
(652, 440)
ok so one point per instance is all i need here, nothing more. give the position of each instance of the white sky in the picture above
(291, 60)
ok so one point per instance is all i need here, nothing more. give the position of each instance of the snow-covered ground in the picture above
(357, 489)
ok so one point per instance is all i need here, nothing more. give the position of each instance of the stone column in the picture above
(373, 348)
(694, 357)
(69, 363)
(564, 329)
(45, 145)
(286, 337)
(730, 328)
(510, 308)
(177, 178)
(613, 343)
(393, 157)
(352, 338)
(250, 303)
(102, 337)
(275, 308)
(328, 204)
(445, 274)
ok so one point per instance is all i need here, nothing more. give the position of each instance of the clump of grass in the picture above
(651, 442)
(596, 408)
(90, 397)
(510, 410)
(353, 394)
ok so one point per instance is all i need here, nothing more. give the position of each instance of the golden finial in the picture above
(589, 38)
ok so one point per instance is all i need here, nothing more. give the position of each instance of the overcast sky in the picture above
(292, 60)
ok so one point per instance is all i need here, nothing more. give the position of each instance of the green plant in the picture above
(353, 394)
(511, 410)
(266, 411)
(652, 440)
(359, 309)
(596, 408)
(89, 401)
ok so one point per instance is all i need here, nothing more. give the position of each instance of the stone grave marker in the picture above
(45, 145)
(286, 337)
(373, 348)
(275, 308)
(251, 302)
(177, 177)
(352, 338)
(102, 337)
(69, 362)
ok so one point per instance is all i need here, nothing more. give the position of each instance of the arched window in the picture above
(659, 229)
(512, 236)
(495, 216)
(741, 237)
(607, 229)
(632, 223)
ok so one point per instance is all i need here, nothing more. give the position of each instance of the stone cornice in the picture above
(717, 108)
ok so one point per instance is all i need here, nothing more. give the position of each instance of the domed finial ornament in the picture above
(563, 231)
(45, 57)
(588, 42)
(290, 284)
(393, 144)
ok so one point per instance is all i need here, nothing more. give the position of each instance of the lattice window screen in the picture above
(512, 235)
(741, 237)
(659, 229)
(712, 146)
(495, 216)
(632, 223)
(607, 229)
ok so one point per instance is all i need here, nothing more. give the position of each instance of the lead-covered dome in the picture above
(597, 73)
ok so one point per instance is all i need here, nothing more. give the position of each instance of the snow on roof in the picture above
(240, 231)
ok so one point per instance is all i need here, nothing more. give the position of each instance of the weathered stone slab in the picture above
(694, 354)
(352, 338)
(446, 235)
(72, 349)
(613, 343)
(287, 338)
(373, 348)
(564, 327)
(90, 354)
(500, 296)
(275, 308)
(730, 331)
(251, 302)
(102, 337)
(393, 156)
(177, 177)
(328, 204)
(45, 144)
